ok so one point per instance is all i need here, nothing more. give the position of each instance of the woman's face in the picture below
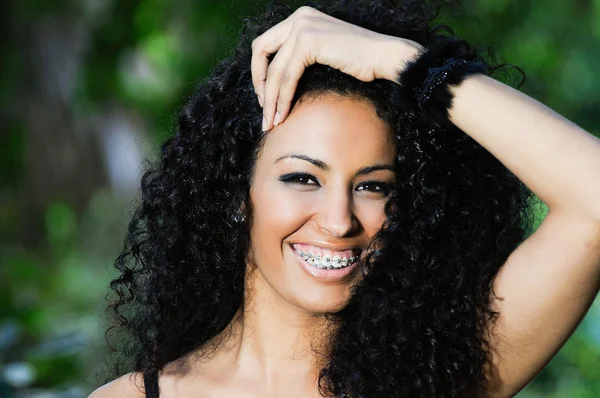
(318, 193)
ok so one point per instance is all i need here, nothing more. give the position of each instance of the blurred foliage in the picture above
(74, 65)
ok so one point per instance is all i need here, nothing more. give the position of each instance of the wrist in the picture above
(396, 53)
(426, 80)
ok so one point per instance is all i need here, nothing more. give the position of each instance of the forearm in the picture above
(556, 159)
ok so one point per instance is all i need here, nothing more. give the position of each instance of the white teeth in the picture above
(327, 262)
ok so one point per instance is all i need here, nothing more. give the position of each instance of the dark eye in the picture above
(299, 178)
(377, 187)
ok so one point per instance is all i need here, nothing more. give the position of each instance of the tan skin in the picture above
(277, 349)
(546, 286)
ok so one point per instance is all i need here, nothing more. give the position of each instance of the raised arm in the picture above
(549, 282)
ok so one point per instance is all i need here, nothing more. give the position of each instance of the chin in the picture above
(330, 302)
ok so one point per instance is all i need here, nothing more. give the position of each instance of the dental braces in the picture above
(338, 262)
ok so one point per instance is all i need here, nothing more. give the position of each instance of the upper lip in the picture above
(329, 246)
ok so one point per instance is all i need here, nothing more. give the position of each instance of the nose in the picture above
(336, 216)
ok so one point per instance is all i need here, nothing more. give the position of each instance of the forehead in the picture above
(332, 128)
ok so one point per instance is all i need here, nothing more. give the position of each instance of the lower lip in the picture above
(323, 274)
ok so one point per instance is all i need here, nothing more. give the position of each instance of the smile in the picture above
(325, 259)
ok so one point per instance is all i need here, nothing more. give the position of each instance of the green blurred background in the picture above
(89, 88)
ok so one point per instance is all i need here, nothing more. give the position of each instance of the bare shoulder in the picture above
(130, 385)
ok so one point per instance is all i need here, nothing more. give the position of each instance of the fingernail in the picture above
(264, 124)
(277, 117)
(260, 101)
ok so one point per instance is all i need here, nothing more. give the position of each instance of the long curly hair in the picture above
(417, 324)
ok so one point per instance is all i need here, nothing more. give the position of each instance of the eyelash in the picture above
(301, 179)
(295, 178)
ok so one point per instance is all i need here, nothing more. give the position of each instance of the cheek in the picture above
(371, 215)
(278, 212)
(278, 206)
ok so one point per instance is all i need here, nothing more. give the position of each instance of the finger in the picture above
(278, 70)
(273, 82)
(301, 58)
(259, 65)
(269, 43)
(262, 47)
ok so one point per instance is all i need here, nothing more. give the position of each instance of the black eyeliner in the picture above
(292, 178)
(386, 187)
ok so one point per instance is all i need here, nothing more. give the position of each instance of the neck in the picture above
(274, 338)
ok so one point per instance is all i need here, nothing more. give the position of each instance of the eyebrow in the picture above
(325, 167)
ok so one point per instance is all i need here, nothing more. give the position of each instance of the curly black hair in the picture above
(417, 324)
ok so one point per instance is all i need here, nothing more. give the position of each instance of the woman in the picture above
(349, 218)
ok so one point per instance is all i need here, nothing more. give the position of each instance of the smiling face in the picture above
(318, 194)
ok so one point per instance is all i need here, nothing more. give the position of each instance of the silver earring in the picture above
(239, 217)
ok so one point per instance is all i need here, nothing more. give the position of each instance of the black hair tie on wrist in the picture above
(424, 81)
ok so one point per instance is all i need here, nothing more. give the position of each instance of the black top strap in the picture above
(151, 384)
